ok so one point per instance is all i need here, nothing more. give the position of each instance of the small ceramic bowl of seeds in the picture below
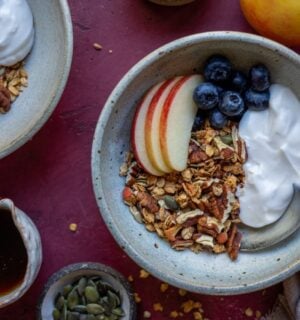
(87, 291)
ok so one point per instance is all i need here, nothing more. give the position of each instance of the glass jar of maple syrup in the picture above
(20, 252)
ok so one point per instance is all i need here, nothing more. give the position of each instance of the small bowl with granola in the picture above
(33, 34)
(184, 157)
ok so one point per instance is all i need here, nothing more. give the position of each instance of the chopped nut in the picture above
(187, 233)
(130, 278)
(147, 314)
(158, 307)
(249, 312)
(144, 274)
(4, 100)
(164, 287)
(73, 227)
(174, 314)
(257, 314)
(197, 315)
(187, 306)
(184, 216)
(137, 298)
(97, 46)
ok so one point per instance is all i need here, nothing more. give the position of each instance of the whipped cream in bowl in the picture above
(17, 31)
(270, 199)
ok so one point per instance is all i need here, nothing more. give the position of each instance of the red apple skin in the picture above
(275, 19)
(150, 169)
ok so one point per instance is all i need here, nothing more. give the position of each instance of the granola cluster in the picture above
(12, 82)
(196, 208)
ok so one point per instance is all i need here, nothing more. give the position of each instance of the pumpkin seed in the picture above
(227, 139)
(100, 317)
(67, 289)
(73, 315)
(56, 314)
(118, 312)
(90, 317)
(91, 283)
(171, 203)
(91, 294)
(60, 300)
(113, 299)
(94, 308)
(81, 285)
(73, 298)
(80, 308)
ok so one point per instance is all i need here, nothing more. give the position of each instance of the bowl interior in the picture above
(48, 66)
(72, 275)
(206, 273)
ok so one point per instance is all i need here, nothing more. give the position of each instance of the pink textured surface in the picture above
(50, 177)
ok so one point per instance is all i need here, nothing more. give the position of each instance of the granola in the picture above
(196, 208)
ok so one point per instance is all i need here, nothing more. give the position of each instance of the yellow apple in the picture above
(275, 19)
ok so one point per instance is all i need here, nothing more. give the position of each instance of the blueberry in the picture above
(217, 119)
(206, 96)
(199, 120)
(239, 81)
(217, 69)
(259, 77)
(257, 101)
(232, 104)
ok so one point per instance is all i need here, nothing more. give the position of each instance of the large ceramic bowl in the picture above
(48, 67)
(204, 273)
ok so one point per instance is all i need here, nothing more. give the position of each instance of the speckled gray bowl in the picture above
(74, 272)
(48, 67)
(205, 273)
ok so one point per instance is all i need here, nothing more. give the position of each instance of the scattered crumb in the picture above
(257, 314)
(130, 278)
(157, 307)
(164, 287)
(197, 315)
(264, 292)
(174, 314)
(73, 227)
(222, 299)
(97, 46)
(110, 51)
(144, 274)
(137, 298)
(190, 305)
(147, 314)
(182, 292)
(249, 312)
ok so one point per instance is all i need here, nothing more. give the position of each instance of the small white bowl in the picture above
(48, 66)
(72, 273)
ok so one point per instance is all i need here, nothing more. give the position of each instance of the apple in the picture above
(176, 121)
(138, 133)
(275, 19)
(152, 125)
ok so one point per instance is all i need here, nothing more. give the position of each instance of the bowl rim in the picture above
(87, 266)
(36, 126)
(96, 165)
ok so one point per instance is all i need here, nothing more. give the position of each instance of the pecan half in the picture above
(147, 201)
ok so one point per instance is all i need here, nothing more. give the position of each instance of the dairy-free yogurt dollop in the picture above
(272, 139)
(17, 31)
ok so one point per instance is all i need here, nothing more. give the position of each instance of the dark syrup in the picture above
(13, 255)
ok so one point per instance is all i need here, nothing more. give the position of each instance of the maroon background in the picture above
(50, 177)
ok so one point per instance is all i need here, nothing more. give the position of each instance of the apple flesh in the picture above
(176, 121)
(152, 125)
(138, 133)
(275, 19)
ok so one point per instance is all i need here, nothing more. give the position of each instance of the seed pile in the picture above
(89, 298)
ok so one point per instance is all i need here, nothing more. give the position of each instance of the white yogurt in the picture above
(273, 144)
(17, 32)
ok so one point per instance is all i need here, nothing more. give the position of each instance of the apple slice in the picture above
(176, 122)
(138, 133)
(152, 125)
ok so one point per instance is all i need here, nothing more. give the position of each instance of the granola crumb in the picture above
(73, 227)
(174, 314)
(197, 315)
(147, 314)
(137, 298)
(110, 51)
(258, 314)
(187, 306)
(144, 274)
(182, 292)
(164, 287)
(97, 46)
(249, 312)
(130, 278)
(158, 307)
